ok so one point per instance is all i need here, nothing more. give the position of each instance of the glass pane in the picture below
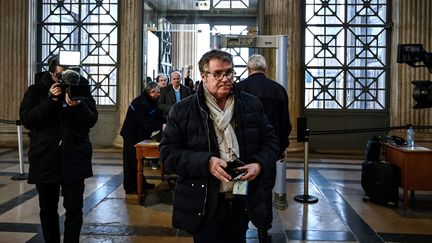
(88, 26)
(345, 54)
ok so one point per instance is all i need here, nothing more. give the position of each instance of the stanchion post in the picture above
(306, 198)
(279, 190)
(21, 175)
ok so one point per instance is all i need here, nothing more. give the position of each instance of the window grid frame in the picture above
(370, 90)
(101, 37)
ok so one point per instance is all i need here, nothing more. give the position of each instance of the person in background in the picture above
(143, 117)
(172, 93)
(189, 82)
(274, 98)
(60, 151)
(196, 85)
(161, 80)
(207, 134)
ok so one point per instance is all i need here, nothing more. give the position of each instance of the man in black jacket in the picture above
(205, 134)
(143, 117)
(60, 149)
(172, 93)
(274, 98)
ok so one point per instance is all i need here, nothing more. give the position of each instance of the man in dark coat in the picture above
(60, 149)
(172, 93)
(143, 117)
(205, 134)
(274, 98)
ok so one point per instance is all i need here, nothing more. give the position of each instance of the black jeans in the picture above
(228, 225)
(73, 203)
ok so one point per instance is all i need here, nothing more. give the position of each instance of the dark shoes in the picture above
(148, 186)
(131, 191)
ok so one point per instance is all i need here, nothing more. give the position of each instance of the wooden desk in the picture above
(147, 149)
(415, 166)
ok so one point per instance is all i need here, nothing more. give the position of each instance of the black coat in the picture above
(274, 98)
(60, 147)
(167, 97)
(188, 142)
(142, 118)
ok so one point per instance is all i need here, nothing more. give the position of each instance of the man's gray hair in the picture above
(151, 86)
(160, 75)
(257, 63)
(179, 73)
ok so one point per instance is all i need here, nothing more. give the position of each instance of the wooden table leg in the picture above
(405, 198)
(139, 176)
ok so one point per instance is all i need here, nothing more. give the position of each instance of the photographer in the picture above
(60, 149)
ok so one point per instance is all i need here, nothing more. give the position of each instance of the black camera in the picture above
(72, 83)
(411, 54)
(232, 168)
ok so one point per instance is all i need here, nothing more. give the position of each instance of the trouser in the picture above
(129, 166)
(269, 182)
(228, 225)
(73, 203)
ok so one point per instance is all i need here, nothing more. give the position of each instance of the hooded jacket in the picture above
(189, 141)
(60, 148)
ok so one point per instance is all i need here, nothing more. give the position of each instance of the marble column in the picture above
(130, 63)
(284, 17)
(14, 65)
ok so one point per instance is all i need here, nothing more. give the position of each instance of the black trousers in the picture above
(129, 166)
(73, 203)
(228, 225)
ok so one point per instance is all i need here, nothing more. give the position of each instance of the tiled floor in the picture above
(340, 215)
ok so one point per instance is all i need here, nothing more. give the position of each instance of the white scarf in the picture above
(225, 133)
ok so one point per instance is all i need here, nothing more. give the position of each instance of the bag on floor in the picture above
(373, 149)
(380, 182)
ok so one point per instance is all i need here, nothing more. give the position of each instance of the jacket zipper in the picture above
(209, 149)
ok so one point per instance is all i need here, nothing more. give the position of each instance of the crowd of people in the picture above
(221, 138)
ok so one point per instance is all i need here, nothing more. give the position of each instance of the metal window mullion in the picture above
(344, 66)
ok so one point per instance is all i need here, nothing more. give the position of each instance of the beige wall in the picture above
(412, 24)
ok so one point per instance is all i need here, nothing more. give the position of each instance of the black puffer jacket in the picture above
(142, 118)
(189, 141)
(60, 147)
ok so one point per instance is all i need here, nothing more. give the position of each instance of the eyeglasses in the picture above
(220, 76)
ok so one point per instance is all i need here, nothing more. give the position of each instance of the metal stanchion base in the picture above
(306, 199)
(20, 177)
(279, 201)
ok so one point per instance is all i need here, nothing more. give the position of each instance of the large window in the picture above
(88, 26)
(346, 64)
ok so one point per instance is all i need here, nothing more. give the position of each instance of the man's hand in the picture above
(70, 101)
(55, 91)
(252, 171)
(216, 167)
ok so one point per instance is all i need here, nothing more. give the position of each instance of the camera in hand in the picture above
(74, 85)
(232, 168)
